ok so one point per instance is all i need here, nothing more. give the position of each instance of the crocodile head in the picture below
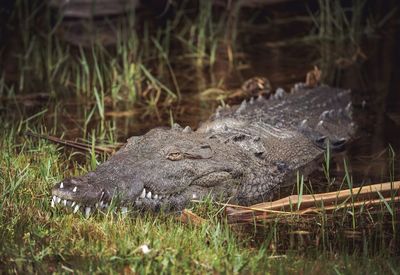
(163, 169)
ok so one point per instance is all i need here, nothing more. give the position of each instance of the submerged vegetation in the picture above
(145, 71)
(340, 32)
(141, 58)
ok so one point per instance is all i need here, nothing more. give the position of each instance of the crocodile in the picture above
(241, 154)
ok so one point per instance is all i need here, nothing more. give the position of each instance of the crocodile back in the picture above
(321, 114)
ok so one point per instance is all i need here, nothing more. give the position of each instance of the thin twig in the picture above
(73, 144)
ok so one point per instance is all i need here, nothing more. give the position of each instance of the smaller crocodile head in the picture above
(163, 169)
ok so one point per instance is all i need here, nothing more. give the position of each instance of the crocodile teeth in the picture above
(87, 212)
(75, 188)
(155, 197)
(303, 123)
(242, 107)
(187, 130)
(58, 200)
(143, 193)
(76, 208)
(61, 185)
(279, 93)
(103, 204)
(65, 202)
(348, 107)
(53, 200)
(324, 115)
(148, 195)
(73, 204)
(194, 196)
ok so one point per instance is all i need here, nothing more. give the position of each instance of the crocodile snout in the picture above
(77, 193)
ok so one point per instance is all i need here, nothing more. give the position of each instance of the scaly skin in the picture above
(241, 155)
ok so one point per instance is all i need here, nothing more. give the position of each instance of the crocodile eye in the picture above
(175, 156)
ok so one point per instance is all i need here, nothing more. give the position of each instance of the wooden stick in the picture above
(331, 198)
(73, 144)
(315, 204)
(261, 216)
